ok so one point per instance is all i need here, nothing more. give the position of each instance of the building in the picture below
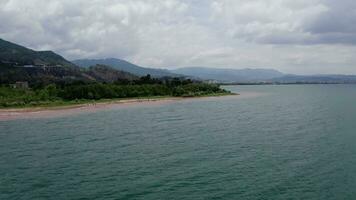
(28, 66)
(20, 85)
(8, 63)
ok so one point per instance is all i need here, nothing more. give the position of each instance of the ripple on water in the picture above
(272, 142)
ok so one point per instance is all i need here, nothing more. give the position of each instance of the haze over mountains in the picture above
(266, 76)
(18, 63)
(202, 73)
(123, 65)
(230, 75)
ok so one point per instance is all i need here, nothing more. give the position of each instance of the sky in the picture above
(293, 36)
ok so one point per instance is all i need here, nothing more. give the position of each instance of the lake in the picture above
(272, 142)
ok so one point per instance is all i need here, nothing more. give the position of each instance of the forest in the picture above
(80, 92)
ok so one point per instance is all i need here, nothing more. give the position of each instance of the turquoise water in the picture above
(288, 142)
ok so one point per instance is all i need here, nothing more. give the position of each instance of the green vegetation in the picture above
(80, 92)
(123, 65)
(43, 78)
(19, 55)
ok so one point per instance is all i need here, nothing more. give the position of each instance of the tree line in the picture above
(144, 87)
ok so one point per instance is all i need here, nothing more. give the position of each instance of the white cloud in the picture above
(304, 36)
(266, 21)
(84, 28)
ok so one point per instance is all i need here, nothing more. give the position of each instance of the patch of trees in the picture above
(144, 87)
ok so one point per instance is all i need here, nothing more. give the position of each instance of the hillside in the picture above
(39, 75)
(104, 73)
(19, 55)
(123, 65)
(18, 63)
(229, 75)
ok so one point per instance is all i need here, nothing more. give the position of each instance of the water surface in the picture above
(289, 142)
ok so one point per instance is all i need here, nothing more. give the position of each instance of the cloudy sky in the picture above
(294, 36)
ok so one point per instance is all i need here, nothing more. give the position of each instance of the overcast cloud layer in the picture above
(294, 36)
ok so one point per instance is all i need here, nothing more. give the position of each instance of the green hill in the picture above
(123, 65)
(14, 54)
(18, 63)
(104, 73)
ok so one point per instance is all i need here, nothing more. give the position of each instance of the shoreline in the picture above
(8, 114)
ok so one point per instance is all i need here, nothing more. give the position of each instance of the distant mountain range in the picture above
(327, 79)
(124, 66)
(263, 76)
(18, 63)
(229, 75)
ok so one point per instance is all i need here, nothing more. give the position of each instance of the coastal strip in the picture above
(7, 114)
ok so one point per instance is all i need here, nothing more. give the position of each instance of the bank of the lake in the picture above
(62, 108)
(59, 94)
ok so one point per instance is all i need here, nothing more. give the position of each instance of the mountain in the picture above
(269, 76)
(104, 73)
(41, 75)
(14, 54)
(123, 65)
(229, 75)
(18, 63)
(329, 78)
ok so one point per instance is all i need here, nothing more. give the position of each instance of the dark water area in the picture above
(287, 142)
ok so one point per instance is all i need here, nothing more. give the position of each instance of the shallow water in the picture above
(287, 142)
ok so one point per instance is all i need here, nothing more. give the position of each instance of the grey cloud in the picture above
(83, 28)
(293, 36)
(289, 22)
(336, 25)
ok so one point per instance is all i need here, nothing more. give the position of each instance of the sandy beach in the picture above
(59, 111)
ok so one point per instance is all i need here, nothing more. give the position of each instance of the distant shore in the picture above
(7, 114)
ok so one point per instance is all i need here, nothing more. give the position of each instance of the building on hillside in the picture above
(9, 63)
(20, 85)
(212, 81)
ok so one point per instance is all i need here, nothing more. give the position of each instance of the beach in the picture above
(7, 114)
(58, 111)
